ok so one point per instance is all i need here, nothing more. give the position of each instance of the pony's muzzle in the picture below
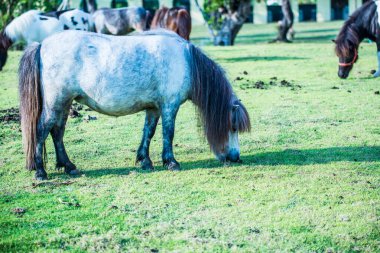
(343, 74)
(233, 155)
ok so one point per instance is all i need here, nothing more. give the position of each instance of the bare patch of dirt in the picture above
(10, 115)
(262, 85)
(35, 185)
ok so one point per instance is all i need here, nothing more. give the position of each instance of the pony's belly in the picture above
(116, 109)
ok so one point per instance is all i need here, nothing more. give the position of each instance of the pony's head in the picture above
(238, 119)
(222, 114)
(5, 43)
(346, 48)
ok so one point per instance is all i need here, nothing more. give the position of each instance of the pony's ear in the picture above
(334, 41)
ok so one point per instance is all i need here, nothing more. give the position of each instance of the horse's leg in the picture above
(143, 158)
(169, 113)
(57, 133)
(45, 123)
(377, 73)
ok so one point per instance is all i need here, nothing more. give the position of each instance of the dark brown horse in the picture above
(175, 19)
(362, 24)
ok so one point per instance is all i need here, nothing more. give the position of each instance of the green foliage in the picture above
(309, 181)
(214, 16)
(13, 8)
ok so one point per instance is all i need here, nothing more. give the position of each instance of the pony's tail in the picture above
(30, 100)
(184, 24)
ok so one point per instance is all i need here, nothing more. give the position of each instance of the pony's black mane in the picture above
(361, 24)
(213, 95)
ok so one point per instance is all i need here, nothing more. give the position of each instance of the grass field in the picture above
(309, 182)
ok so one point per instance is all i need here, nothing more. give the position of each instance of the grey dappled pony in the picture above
(120, 21)
(120, 75)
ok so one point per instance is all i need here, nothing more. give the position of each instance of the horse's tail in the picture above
(30, 100)
(184, 24)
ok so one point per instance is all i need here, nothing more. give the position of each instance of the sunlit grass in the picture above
(310, 180)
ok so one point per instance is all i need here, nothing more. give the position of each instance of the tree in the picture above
(224, 18)
(286, 23)
(89, 6)
(11, 8)
(6, 11)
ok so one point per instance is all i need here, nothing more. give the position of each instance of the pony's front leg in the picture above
(377, 73)
(57, 133)
(150, 125)
(169, 114)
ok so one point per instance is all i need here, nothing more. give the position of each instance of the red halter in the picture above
(350, 63)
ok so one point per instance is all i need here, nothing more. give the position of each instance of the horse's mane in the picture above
(213, 95)
(175, 19)
(349, 34)
(19, 24)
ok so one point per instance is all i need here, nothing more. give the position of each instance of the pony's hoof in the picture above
(71, 169)
(145, 164)
(173, 166)
(40, 176)
(377, 74)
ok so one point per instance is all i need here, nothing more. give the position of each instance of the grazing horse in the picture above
(175, 19)
(34, 26)
(120, 21)
(363, 23)
(120, 75)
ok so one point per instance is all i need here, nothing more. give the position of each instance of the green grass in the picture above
(310, 180)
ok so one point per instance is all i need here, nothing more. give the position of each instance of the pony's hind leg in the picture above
(45, 124)
(169, 113)
(52, 118)
(57, 133)
(150, 125)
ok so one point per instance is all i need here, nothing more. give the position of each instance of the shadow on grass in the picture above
(285, 157)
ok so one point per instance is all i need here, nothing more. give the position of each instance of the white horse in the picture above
(120, 75)
(35, 26)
